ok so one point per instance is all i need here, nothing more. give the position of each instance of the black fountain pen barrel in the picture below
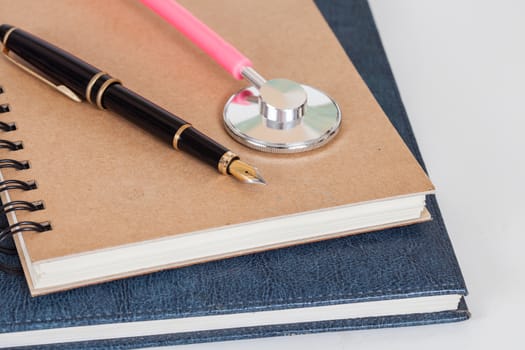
(194, 142)
(57, 64)
(161, 123)
(126, 103)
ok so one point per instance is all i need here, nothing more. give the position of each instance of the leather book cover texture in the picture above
(415, 260)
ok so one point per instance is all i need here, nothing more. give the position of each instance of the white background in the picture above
(460, 67)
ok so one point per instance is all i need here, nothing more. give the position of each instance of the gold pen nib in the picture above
(245, 173)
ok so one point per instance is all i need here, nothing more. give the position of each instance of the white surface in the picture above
(460, 66)
(251, 319)
(228, 240)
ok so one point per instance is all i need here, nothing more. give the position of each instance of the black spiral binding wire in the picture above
(24, 226)
(13, 146)
(15, 184)
(21, 205)
(7, 126)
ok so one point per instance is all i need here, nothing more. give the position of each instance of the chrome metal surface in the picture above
(246, 124)
(253, 77)
(282, 103)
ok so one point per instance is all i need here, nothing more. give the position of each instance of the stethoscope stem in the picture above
(253, 77)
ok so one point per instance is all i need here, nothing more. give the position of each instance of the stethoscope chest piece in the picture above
(281, 116)
(278, 115)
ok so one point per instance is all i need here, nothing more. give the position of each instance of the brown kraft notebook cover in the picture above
(106, 183)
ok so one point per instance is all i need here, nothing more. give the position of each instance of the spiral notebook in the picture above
(117, 202)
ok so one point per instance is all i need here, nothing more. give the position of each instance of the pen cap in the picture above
(57, 64)
(4, 28)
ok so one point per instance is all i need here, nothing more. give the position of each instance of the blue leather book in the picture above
(397, 277)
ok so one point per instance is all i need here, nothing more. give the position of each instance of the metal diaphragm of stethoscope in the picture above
(277, 115)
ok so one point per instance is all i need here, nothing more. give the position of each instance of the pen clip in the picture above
(61, 88)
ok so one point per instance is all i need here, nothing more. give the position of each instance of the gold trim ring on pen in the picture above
(179, 132)
(103, 88)
(225, 161)
(6, 35)
(92, 83)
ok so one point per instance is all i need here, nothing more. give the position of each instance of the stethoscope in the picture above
(277, 115)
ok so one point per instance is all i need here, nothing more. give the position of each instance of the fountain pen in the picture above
(79, 80)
